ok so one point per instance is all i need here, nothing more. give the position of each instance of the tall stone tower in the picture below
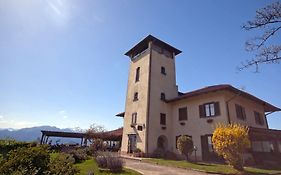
(152, 80)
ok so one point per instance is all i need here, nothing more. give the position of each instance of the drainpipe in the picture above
(148, 98)
(227, 110)
(227, 105)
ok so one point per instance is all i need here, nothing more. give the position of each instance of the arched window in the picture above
(162, 142)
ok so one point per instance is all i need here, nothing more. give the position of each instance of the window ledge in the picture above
(182, 123)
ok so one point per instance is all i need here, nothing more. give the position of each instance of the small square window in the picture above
(134, 118)
(163, 97)
(163, 70)
(162, 119)
(182, 114)
(139, 128)
(136, 96)
(258, 118)
(240, 112)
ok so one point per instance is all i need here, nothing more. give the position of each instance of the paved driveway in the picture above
(153, 169)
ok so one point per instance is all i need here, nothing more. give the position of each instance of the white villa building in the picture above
(156, 113)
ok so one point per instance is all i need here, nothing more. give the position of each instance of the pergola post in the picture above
(42, 137)
(47, 140)
(81, 141)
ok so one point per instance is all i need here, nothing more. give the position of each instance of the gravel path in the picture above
(154, 169)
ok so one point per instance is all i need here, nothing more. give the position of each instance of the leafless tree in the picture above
(93, 131)
(268, 22)
(96, 128)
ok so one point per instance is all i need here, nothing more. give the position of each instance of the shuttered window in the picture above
(209, 109)
(162, 119)
(240, 112)
(258, 118)
(182, 114)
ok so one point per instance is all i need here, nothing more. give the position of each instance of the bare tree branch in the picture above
(268, 55)
(267, 19)
(270, 14)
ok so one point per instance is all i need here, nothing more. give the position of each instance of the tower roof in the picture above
(143, 44)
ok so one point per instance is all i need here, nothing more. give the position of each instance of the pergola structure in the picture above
(46, 134)
(114, 135)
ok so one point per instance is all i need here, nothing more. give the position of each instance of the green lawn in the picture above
(211, 168)
(90, 165)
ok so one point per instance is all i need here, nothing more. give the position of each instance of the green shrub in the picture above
(6, 145)
(91, 172)
(97, 145)
(185, 145)
(1, 160)
(114, 164)
(101, 161)
(109, 161)
(62, 164)
(171, 155)
(29, 161)
(78, 154)
(158, 153)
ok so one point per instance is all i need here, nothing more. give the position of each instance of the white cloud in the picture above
(1, 116)
(16, 124)
(62, 112)
(54, 8)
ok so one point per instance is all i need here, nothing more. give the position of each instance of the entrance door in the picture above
(208, 153)
(132, 145)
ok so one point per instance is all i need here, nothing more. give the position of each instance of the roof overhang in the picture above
(121, 114)
(144, 44)
(210, 89)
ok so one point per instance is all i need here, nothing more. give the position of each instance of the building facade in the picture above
(156, 114)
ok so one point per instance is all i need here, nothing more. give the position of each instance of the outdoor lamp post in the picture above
(195, 149)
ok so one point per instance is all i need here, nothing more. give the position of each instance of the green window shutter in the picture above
(217, 108)
(201, 111)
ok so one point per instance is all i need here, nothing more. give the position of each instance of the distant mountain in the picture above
(34, 134)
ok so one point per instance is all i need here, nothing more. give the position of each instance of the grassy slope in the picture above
(90, 165)
(211, 168)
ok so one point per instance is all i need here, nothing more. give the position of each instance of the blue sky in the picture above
(62, 62)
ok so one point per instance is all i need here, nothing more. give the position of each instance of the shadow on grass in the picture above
(203, 164)
(251, 173)
(107, 171)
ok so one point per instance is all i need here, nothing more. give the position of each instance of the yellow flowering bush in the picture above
(231, 141)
